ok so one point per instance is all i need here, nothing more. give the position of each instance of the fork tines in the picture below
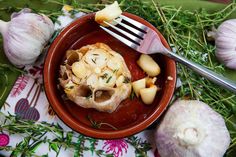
(137, 29)
(134, 23)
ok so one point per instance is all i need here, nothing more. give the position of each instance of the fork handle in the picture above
(214, 77)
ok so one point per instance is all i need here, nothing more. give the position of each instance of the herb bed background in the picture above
(185, 31)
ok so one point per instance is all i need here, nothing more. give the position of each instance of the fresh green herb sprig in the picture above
(5, 69)
(140, 146)
(98, 125)
(35, 134)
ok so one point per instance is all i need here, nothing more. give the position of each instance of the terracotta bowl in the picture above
(132, 116)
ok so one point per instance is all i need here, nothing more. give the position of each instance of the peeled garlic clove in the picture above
(25, 36)
(120, 81)
(148, 94)
(79, 69)
(138, 85)
(109, 13)
(148, 65)
(107, 78)
(114, 64)
(92, 80)
(96, 58)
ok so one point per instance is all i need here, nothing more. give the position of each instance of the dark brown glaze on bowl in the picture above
(132, 116)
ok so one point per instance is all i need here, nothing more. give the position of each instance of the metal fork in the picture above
(147, 41)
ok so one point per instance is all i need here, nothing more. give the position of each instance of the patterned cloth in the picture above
(28, 101)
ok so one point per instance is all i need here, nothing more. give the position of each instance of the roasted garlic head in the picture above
(95, 76)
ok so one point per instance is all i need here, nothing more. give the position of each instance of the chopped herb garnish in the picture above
(70, 87)
(126, 80)
(114, 71)
(94, 60)
(108, 80)
(95, 54)
(104, 76)
(85, 62)
(132, 95)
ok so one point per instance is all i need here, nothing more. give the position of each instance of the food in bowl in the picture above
(132, 115)
(148, 65)
(95, 76)
(108, 14)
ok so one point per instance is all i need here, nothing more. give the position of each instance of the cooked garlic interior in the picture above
(109, 13)
(146, 88)
(137, 85)
(148, 94)
(95, 76)
(149, 65)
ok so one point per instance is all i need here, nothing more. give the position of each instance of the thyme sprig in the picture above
(98, 125)
(35, 134)
(140, 146)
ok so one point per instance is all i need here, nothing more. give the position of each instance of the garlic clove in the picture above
(148, 65)
(150, 81)
(138, 85)
(109, 13)
(148, 94)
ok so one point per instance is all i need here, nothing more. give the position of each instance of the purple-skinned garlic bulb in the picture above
(225, 41)
(25, 36)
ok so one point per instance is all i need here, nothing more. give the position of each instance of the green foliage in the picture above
(35, 134)
(5, 70)
(141, 147)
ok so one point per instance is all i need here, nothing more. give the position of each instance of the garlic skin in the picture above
(191, 128)
(25, 36)
(225, 41)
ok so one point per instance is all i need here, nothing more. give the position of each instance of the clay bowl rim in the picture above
(91, 132)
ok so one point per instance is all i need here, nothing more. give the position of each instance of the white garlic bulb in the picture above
(25, 36)
(191, 128)
(225, 41)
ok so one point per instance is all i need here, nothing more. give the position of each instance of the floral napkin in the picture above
(27, 100)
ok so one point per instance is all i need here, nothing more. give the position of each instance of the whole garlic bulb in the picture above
(25, 36)
(225, 41)
(191, 128)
